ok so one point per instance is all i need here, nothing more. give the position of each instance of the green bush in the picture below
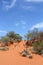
(5, 40)
(38, 47)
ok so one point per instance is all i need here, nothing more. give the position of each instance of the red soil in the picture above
(12, 57)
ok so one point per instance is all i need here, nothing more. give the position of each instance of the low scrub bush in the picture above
(30, 56)
(25, 53)
(4, 48)
(38, 47)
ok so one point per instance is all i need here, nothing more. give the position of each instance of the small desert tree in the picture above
(40, 36)
(32, 34)
(10, 34)
(13, 36)
(18, 37)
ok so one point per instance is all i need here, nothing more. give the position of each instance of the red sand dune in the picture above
(12, 57)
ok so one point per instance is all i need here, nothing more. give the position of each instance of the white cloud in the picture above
(34, 0)
(39, 25)
(7, 5)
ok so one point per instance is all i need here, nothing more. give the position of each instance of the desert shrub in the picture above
(5, 40)
(4, 48)
(14, 36)
(18, 40)
(30, 56)
(25, 53)
(11, 40)
(10, 37)
(38, 47)
(42, 55)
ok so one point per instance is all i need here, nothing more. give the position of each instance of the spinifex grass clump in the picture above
(4, 48)
(25, 53)
(38, 47)
(30, 56)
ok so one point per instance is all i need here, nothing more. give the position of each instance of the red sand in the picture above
(12, 57)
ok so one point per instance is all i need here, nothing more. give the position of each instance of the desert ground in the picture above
(13, 57)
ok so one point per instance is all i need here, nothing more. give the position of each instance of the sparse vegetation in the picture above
(24, 53)
(36, 37)
(31, 56)
(4, 48)
(38, 47)
(5, 40)
(10, 38)
(14, 36)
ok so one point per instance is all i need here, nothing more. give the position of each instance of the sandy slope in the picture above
(12, 57)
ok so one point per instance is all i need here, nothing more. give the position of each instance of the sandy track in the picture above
(12, 57)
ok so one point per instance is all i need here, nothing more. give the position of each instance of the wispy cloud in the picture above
(38, 25)
(23, 22)
(28, 7)
(7, 5)
(34, 0)
(17, 24)
(2, 31)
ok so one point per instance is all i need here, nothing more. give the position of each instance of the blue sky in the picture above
(20, 16)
